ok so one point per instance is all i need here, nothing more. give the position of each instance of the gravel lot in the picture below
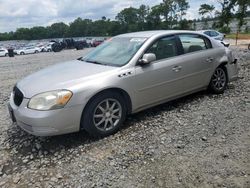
(202, 140)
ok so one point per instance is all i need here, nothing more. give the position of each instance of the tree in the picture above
(38, 33)
(185, 24)
(22, 34)
(168, 8)
(225, 15)
(182, 6)
(129, 18)
(80, 27)
(143, 13)
(206, 9)
(154, 18)
(173, 11)
(57, 30)
(242, 12)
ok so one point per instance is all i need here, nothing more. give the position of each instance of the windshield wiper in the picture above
(95, 62)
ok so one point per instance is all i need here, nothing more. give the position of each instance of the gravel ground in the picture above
(202, 140)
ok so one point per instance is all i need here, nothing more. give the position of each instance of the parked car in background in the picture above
(3, 52)
(27, 50)
(213, 34)
(79, 45)
(124, 75)
(89, 41)
(41, 47)
(48, 47)
(97, 43)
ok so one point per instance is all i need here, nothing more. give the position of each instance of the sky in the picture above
(28, 13)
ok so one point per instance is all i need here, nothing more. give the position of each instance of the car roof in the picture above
(148, 34)
(207, 30)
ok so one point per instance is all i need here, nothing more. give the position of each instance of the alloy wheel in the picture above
(107, 114)
(219, 79)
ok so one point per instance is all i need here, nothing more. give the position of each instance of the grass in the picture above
(245, 36)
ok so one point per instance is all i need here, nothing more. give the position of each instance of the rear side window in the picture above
(164, 48)
(192, 43)
(207, 33)
(214, 33)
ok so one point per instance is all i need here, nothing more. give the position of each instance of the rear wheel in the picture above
(22, 53)
(36, 51)
(219, 80)
(6, 54)
(104, 114)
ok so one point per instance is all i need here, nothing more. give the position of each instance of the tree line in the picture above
(224, 16)
(167, 15)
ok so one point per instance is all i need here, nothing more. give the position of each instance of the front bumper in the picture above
(45, 123)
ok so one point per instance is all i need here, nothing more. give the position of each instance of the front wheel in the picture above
(104, 114)
(218, 81)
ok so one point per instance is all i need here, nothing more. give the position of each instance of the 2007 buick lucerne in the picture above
(124, 75)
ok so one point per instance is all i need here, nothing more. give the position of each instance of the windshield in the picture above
(115, 52)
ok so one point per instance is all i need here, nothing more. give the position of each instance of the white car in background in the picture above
(48, 47)
(3, 52)
(213, 34)
(27, 50)
(41, 47)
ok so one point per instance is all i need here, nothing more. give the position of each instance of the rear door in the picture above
(197, 61)
(30, 50)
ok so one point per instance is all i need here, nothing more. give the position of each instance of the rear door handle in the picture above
(210, 60)
(177, 68)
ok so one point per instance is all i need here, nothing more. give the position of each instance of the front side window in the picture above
(192, 43)
(164, 48)
(115, 52)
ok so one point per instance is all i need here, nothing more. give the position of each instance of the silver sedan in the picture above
(126, 74)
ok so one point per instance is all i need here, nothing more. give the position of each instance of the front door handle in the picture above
(210, 60)
(177, 68)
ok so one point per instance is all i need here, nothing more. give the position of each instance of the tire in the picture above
(22, 53)
(36, 52)
(219, 80)
(99, 120)
(6, 54)
(49, 50)
(248, 46)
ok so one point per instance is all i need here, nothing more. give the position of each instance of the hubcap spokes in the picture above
(219, 79)
(107, 114)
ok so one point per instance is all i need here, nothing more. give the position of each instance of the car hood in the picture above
(61, 76)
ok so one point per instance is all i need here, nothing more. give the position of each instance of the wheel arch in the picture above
(223, 64)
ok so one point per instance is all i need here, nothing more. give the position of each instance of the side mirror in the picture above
(147, 58)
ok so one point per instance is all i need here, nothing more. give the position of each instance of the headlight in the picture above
(50, 100)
